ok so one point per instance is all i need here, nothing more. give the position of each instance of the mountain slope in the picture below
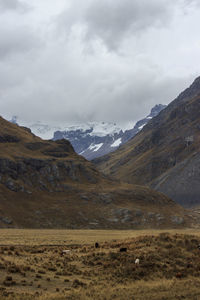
(46, 184)
(165, 154)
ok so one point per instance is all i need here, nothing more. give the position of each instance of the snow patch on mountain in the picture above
(116, 143)
(140, 128)
(95, 147)
(103, 129)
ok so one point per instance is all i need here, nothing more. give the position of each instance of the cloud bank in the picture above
(109, 60)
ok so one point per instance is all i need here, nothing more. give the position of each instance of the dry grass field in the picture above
(32, 265)
(66, 237)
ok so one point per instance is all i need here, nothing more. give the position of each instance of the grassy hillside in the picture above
(45, 184)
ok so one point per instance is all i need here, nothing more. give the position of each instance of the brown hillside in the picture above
(46, 184)
(165, 154)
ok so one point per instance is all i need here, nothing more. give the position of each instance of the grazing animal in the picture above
(179, 275)
(96, 245)
(137, 261)
(123, 250)
(66, 252)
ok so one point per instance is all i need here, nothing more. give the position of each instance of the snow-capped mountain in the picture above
(92, 139)
(102, 138)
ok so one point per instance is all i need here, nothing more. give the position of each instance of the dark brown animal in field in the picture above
(179, 275)
(96, 245)
(123, 249)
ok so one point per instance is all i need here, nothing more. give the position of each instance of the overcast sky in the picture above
(91, 60)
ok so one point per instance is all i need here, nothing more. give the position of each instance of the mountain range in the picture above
(45, 184)
(92, 139)
(102, 138)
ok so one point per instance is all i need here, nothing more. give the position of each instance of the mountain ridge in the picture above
(166, 141)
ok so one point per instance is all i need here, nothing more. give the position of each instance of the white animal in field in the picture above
(137, 261)
(66, 252)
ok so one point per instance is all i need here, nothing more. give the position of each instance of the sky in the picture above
(80, 61)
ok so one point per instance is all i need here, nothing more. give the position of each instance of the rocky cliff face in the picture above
(164, 155)
(28, 162)
(45, 184)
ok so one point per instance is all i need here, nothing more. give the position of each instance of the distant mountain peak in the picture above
(156, 109)
(103, 137)
(195, 86)
(196, 81)
(192, 91)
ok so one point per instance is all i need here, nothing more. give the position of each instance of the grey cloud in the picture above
(81, 93)
(16, 36)
(48, 77)
(17, 40)
(134, 99)
(112, 21)
(190, 3)
(6, 5)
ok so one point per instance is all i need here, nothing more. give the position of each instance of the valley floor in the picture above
(33, 266)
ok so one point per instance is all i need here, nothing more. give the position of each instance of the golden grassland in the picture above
(70, 237)
(32, 265)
